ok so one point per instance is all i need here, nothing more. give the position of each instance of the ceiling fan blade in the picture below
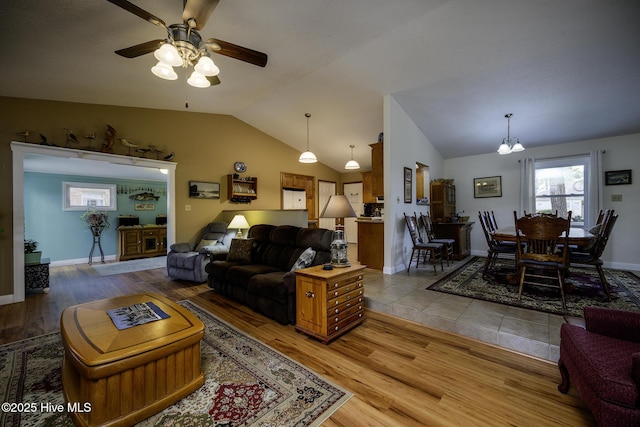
(140, 49)
(214, 80)
(130, 7)
(238, 52)
(199, 10)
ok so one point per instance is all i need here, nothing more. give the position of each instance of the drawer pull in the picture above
(336, 328)
(337, 319)
(310, 294)
(335, 294)
(337, 310)
(347, 289)
(348, 304)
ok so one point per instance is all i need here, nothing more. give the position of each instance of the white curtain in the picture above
(595, 186)
(527, 185)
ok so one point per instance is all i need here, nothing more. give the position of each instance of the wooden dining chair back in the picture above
(432, 238)
(495, 248)
(593, 255)
(430, 252)
(542, 248)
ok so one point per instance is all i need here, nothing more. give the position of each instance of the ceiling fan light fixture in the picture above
(206, 67)
(352, 164)
(168, 54)
(198, 80)
(164, 71)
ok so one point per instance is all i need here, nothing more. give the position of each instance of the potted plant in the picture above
(31, 254)
(96, 220)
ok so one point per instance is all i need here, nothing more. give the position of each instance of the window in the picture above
(562, 185)
(79, 196)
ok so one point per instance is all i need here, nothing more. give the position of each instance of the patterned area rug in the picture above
(582, 288)
(111, 268)
(247, 383)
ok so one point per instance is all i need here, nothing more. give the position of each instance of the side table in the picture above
(36, 276)
(329, 302)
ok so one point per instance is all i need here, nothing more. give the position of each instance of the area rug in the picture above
(583, 288)
(111, 268)
(247, 383)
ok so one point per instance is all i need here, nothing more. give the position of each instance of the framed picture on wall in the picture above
(204, 190)
(490, 186)
(617, 177)
(408, 179)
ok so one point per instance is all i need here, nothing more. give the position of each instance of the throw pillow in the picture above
(240, 250)
(304, 260)
(204, 244)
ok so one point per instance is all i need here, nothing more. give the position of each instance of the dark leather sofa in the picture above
(602, 361)
(265, 282)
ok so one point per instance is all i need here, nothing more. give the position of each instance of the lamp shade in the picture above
(239, 221)
(198, 80)
(205, 66)
(307, 157)
(352, 165)
(168, 54)
(338, 206)
(164, 71)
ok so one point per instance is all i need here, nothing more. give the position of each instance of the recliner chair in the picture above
(187, 261)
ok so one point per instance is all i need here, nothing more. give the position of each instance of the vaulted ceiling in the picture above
(567, 69)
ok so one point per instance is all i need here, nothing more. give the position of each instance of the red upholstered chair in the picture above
(602, 361)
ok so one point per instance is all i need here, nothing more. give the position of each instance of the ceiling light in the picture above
(510, 145)
(168, 54)
(198, 80)
(206, 67)
(307, 156)
(352, 164)
(164, 71)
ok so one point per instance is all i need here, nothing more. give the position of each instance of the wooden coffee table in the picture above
(128, 375)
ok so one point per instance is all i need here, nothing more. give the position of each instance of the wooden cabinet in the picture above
(329, 302)
(377, 170)
(460, 232)
(141, 242)
(367, 189)
(443, 201)
(371, 243)
(242, 190)
(301, 182)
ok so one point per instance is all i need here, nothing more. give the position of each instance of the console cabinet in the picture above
(141, 242)
(460, 232)
(329, 302)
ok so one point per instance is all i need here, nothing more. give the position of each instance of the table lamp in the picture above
(239, 222)
(338, 206)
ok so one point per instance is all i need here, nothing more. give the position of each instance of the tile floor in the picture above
(405, 295)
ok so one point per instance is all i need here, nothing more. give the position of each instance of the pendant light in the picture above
(352, 164)
(307, 156)
(510, 145)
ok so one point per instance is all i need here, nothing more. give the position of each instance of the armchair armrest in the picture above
(614, 323)
(181, 247)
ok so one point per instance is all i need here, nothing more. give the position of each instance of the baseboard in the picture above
(76, 261)
(6, 299)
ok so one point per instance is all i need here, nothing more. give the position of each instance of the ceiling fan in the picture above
(184, 46)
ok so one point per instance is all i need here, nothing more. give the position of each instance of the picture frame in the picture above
(621, 177)
(204, 190)
(408, 181)
(490, 186)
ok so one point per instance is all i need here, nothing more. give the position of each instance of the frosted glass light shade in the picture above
(352, 165)
(504, 148)
(198, 80)
(206, 67)
(164, 71)
(168, 54)
(517, 147)
(307, 157)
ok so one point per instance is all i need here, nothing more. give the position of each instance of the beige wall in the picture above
(205, 146)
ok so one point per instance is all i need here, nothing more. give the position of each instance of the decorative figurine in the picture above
(71, 138)
(110, 138)
(90, 138)
(128, 145)
(24, 134)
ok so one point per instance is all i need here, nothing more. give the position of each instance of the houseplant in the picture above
(96, 220)
(31, 254)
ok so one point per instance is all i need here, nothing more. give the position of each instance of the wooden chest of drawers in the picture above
(329, 302)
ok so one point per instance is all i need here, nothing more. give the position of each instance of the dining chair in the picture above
(495, 248)
(431, 237)
(541, 250)
(592, 256)
(430, 251)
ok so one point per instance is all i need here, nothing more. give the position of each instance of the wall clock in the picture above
(240, 167)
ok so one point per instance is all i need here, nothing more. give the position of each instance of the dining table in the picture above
(577, 236)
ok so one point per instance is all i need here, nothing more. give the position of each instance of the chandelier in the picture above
(510, 145)
(184, 48)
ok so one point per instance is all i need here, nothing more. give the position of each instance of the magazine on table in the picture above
(136, 314)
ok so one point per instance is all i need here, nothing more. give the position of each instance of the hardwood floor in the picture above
(401, 373)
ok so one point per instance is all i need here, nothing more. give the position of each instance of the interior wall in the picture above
(205, 145)
(621, 152)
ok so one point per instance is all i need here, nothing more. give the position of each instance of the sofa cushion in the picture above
(183, 260)
(239, 275)
(606, 362)
(269, 285)
(240, 250)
